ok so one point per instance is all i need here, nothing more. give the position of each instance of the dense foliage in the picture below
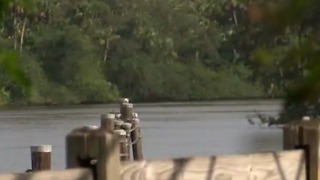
(148, 50)
(297, 19)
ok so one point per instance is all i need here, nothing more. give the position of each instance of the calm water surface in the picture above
(168, 129)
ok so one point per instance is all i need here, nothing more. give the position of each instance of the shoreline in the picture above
(224, 101)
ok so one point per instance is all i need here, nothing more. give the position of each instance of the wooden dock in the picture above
(113, 151)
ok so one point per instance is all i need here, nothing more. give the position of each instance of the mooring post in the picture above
(103, 150)
(40, 157)
(127, 128)
(107, 122)
(126, 110)
(94, 148)
(136, 139)
(305, 135)
(123, 144)
(76, 146)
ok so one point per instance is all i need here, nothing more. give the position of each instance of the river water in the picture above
(168, 130)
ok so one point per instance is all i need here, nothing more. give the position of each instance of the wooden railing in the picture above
(93, 153)
(283, 165)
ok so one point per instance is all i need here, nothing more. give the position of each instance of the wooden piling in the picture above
(305, 135)
(40, 157)
(107, 122)
(103, 149)
(96, 149)
(127, 128)
(126, 110)
(136, 140)
(76, 146)
(123, 144)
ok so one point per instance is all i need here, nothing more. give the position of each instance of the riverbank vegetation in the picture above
(95, 51)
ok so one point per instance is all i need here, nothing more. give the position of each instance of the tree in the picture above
(92, 51)
(9, 62)
(299, 18)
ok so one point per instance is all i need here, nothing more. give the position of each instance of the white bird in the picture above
(124, 100)
(135, 115)
(118, 115)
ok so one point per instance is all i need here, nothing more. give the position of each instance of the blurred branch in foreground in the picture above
(301, 17)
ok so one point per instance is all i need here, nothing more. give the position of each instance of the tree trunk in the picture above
(106, 49)
(15, 32)
(23, 28)
(235, 19)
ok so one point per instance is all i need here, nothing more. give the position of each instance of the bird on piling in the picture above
(118, 116)
(135, 115)
(124, 100)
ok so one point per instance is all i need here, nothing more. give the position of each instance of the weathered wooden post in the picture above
(94, 148)
(40, 157)
(127, 127)
(123, 144)
(126, 110)
(107, 122)
(103, 150)
(305, 135)
(76, 146)
(136, 140)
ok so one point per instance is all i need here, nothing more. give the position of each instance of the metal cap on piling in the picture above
(41, 148)
(40, 157)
